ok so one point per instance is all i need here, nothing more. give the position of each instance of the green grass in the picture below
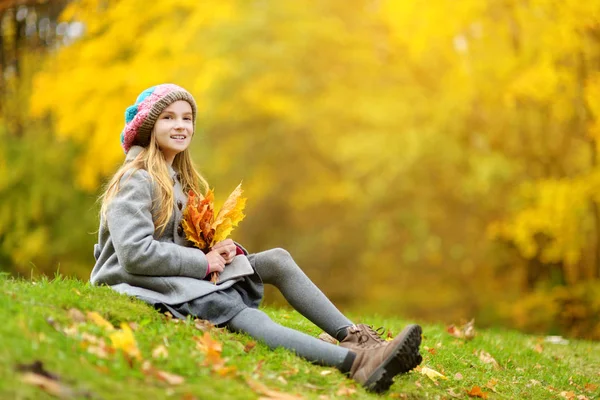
(26, 335)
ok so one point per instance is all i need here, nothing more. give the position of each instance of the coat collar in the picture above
(134, 151)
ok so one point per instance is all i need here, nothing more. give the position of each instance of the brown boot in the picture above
(376, 365)
(362, 336)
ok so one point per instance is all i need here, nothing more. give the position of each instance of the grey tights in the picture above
(276, 267)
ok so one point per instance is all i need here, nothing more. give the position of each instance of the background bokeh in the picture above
(436, 160)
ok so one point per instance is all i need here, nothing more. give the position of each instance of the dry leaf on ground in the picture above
(590, 387)
(34, 374)
(76, 315)
(432, 374)
(326, 337)
(171, 379)
(488, 359)
(538, 348)
(97, 319)
(160, 351)
(476, 392)
(203, 325)
(466, 331)
(211, 349)
(249, 346)
(261, 389)
(345, 391)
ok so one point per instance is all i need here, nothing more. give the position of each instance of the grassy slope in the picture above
(25, 336)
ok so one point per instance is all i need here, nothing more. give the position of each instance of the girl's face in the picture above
(174, 128)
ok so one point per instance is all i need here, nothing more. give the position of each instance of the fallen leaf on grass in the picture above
(476, 392)
(249, 346)
(203, 325)
(76, 315)
(452, 393)
(486, 358)
(538, 348)
(46, 384)
(263, 390)
(326, 372)
(97, 319)
(160, 351)
(492, 384)
(34, 374)
(71, 330)
(432, 374)
(345, 391)
(327, 338)
(163, 376)
(211, 349)
(568, 395)
(125, 341)
(467, 331)
(590, 387)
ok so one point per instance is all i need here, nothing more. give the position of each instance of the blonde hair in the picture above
(152, 160)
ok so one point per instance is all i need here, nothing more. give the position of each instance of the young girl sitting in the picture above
(142, 251)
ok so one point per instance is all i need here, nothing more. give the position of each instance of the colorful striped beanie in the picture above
(141, 116)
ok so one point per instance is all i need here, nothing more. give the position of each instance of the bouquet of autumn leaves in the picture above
(200, 225)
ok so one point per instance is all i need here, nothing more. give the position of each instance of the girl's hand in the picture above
(216, 263)
(227, 249)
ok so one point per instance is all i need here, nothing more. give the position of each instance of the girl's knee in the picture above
(278, 255)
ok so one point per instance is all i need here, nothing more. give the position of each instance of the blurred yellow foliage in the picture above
(388, 136)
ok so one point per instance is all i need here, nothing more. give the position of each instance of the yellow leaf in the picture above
(432, 374)
(99, 320)
(125, 341)
(229, 215)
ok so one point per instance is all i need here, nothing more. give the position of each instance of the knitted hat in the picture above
(140, 117)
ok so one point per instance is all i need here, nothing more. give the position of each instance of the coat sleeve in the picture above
(129, 219)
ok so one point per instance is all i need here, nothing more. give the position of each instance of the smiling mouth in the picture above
(178, 137)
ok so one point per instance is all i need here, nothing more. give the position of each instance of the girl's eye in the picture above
(167, 117)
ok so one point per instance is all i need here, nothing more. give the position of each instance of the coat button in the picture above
(180, 230)
(179, 205)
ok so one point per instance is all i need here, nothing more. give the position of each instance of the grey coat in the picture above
(132, 260)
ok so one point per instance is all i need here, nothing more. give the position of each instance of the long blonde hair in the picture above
(153, 161)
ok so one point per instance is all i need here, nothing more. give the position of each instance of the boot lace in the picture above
(366, 333)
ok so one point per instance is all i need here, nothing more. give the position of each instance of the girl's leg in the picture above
(278, 268)
(258, 325)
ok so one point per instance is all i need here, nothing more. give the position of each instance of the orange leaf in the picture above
(249, 346)
(211, 348)
(197, 218)
(476, 392)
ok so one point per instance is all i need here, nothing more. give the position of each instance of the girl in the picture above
(142, 251)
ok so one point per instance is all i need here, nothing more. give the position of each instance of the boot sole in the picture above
(402, 359)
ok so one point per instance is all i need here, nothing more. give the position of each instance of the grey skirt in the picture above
(221, 306)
